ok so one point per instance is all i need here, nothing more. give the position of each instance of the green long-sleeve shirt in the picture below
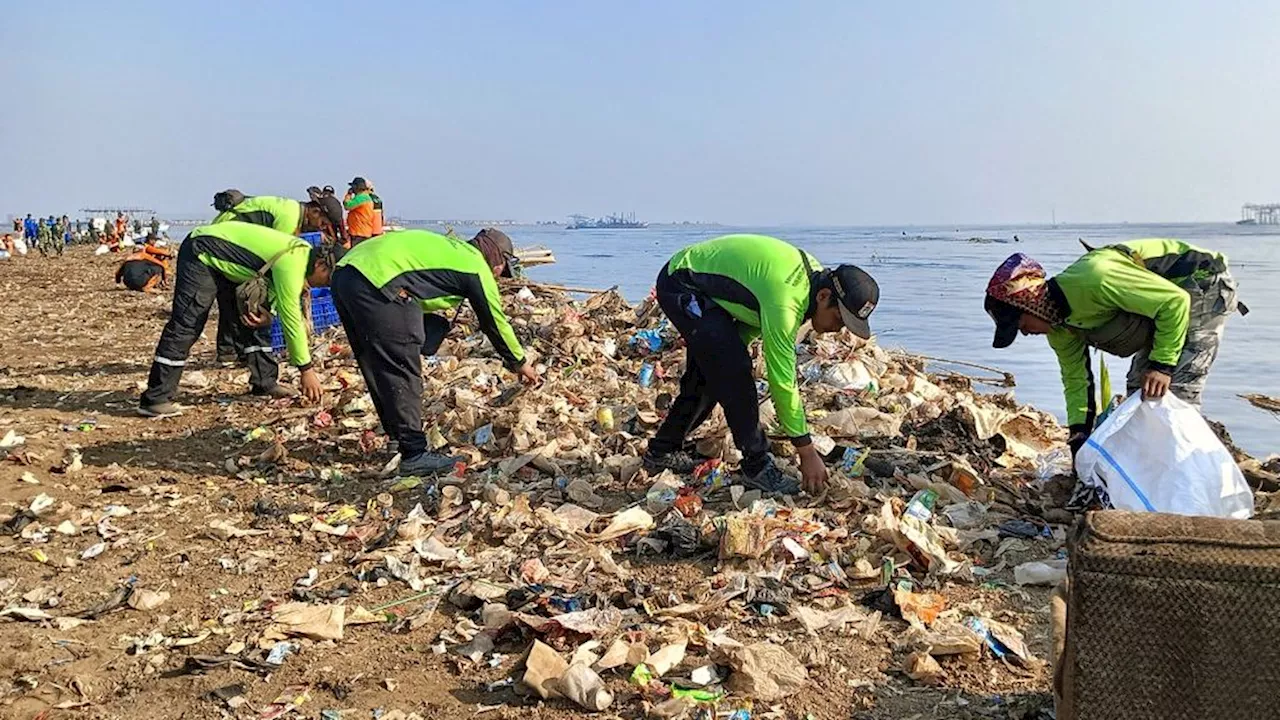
(283, 214)
(438, 273)
(764, 284)
(1139, 276)
(238, 250)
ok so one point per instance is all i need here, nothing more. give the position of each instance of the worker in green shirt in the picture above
(284, 214)
(1163, 302)
(721, 295)
(382, 287)
(216, 259)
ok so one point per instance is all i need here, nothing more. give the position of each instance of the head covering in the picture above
(327, 190)
(314, 192)
(496, 248)
(1019, 285)
(227, 199)
(858, 294)
(332, 207)
(359, 184)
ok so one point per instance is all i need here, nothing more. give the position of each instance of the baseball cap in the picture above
(359, 183)
(227, 199)
(858, 294)
(496, 248)
(332, 207)
(1007, 319)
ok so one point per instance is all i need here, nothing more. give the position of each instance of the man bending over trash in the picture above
(146, 270)
(262, 269)
(322, 215)
(723, 293)
(382, 287)
(1163, 302)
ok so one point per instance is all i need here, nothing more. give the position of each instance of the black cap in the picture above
(359, 183)
(496, 248)
(858, 294)
(227, 199)
(1007, 318)
(313, 192)
(332, 207)
(327, 189)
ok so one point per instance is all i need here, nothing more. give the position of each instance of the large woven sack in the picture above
(1172, 617)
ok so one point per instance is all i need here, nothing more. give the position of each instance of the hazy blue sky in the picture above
(738, 111)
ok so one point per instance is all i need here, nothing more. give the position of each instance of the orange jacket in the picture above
(361, 216)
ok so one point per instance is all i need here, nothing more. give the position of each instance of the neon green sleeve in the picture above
(1138, 290)
(748, 333)
(778, 336)
(1073, 363)
(487, 304)
(288, 281)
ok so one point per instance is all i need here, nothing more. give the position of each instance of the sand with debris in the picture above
(248, 553)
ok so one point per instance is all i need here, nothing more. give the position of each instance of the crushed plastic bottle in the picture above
(922, 504)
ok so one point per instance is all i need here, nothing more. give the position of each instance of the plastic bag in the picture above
(1161, 456)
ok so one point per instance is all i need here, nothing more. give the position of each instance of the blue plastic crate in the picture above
(323, 316)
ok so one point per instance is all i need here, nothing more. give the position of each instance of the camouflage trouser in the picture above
(1212, 299)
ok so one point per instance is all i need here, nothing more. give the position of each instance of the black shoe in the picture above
(771, 480)
(677, 461)
(426, 464)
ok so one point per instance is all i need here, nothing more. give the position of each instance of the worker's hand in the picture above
(529, 374)
(1155, 384)
(813, 470)
(254, 320)
(311, 389)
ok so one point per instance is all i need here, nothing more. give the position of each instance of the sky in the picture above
(736, 111)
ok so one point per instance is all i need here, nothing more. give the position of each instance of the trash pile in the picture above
(549, 565)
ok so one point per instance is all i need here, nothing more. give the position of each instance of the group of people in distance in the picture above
(1162, 301)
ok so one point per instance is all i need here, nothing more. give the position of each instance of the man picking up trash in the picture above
(721, 295)
(323, 215)
(381, 289)
(146, 270)
(1164, 302)
(264, 269)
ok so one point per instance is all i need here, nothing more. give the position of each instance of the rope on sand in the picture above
(1004, 378)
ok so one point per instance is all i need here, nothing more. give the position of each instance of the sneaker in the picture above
(226, 359)
(771, 480)
(677, 461)
(277, 391)
(426, 464)
(160, 410)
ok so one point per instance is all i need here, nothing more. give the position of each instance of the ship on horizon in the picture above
(610, 222)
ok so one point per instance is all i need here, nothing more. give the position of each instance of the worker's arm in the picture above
(288, 281)
(1137, 290)
(357, 200)
(1077, 378)
(778, 337)
(482, 292)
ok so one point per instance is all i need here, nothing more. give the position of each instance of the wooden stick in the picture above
(549, 286)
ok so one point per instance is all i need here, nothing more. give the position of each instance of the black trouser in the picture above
(228, 319)
(195, 288)
(717, 372)
(386, 337)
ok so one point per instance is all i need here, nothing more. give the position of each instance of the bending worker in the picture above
(146, 270)
(381, 289)
(242, 258)
(723, 293)
(1163, 302)
(322, 215)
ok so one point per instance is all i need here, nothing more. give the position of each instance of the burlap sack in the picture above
(1171, 617)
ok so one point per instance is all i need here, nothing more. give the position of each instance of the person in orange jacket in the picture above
(361, 212)
(146, 270)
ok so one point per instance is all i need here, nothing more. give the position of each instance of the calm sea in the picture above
(932, 282)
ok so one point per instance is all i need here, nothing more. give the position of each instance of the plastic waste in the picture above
(1161, 456)
(1037, 572)
(646, 375)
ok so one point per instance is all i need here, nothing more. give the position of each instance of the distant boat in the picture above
(1247, 221)
(611, 222)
